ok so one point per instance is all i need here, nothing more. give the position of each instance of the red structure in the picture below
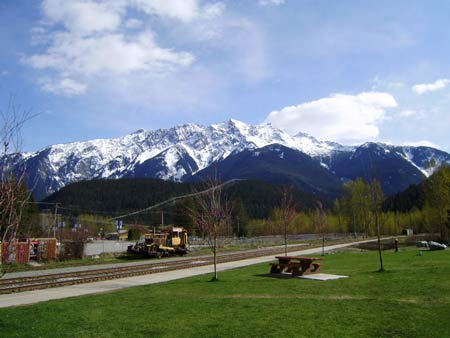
(33, 248)
(19, 255)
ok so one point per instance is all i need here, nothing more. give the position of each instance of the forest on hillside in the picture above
(122, 196)
(257, 207)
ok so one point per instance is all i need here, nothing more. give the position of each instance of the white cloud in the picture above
(66, 87)
(211, 11)
(379, 83)
(407, 113)
(339, 117)
(108, 54)
(84, 40)
(82, 17)
(133, 23)
(123, 43)
(265, 3)
(423, 143)
(184, 10)
(430, 87)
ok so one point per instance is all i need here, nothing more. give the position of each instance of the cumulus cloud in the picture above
(266, 3)
(109, 53)
(66, 87)
(430, 87)
(84, 40)
(339, 117)
(185, 10)
(82, 16)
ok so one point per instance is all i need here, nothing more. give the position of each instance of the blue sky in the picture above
(348, 71)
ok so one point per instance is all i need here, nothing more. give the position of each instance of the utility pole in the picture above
(56, 220)
(162, 218)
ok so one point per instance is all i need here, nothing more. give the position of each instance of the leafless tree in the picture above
(212, 215)
(287, 212)
(320, 222)
(13, 192)
(377, 199)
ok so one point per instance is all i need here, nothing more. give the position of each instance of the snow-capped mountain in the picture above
(180, 152)
(276, 164)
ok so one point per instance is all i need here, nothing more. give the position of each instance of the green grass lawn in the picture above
(410, 299)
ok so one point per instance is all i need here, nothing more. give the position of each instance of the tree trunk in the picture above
(379, 242)
(216, 277)
(323, 244)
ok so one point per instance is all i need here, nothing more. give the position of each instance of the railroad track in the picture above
(12, 285)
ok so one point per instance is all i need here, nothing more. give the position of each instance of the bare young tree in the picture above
(13, 192)
(212, 215)
(377, 199)
(287, 212)
(320, 222)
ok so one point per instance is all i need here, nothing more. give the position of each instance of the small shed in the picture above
(408, 232)
(33, 248)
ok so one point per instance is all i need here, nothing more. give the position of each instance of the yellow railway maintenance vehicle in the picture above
(162, 243)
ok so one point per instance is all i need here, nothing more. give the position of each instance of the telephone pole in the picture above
(56, 220)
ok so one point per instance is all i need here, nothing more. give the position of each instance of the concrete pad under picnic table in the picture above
(321, 276)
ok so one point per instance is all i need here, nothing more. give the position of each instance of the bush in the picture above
(134, 234)
(71, 249)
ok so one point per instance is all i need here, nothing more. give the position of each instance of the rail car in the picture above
(173, 241)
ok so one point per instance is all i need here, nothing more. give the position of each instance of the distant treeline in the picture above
(122, 196)
(425, 208)
(412, 198)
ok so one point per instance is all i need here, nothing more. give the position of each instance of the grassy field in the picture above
(410, 299)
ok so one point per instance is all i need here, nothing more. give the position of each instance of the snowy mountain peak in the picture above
(179, 152)
(139, 131)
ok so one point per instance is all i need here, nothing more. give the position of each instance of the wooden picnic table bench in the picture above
(296, 265)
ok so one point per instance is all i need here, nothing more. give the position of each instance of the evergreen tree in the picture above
(239, 218)
(182, 215)
(437, 190)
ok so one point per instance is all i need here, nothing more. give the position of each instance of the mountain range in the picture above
(231, 149)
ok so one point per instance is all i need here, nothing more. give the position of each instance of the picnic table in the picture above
(296, 265)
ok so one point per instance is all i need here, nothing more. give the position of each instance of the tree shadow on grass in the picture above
(276, 275)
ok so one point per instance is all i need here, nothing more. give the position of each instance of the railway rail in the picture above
(21, 284)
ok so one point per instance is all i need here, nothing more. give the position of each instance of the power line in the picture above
(173, 199)
(47, 203)
(87, 210)
(113, 212)
(78, 209)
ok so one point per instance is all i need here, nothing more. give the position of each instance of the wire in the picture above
(78, 209)
(173, 199)
(29, 202)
